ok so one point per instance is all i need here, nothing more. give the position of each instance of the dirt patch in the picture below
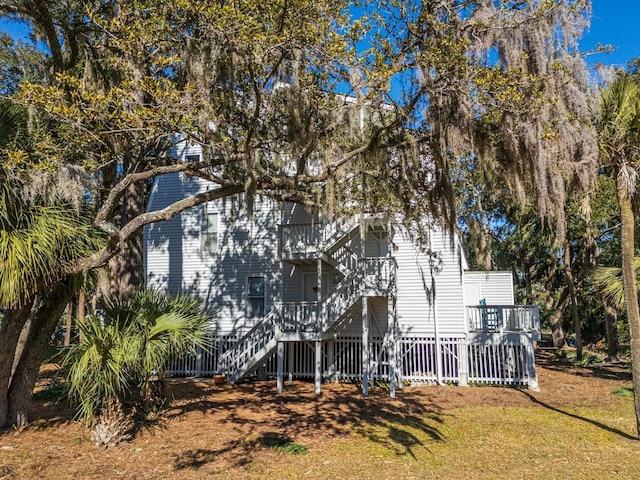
(211, 429)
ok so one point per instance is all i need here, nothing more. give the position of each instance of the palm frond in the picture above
(131, 343)
(37, 244)
(608, 280)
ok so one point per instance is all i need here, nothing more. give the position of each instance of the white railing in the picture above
(250, 349)
(204, 361)
(379, 273)
(504, 318)
(299, 239)
(334, 231)
(310, 238)
(502, 360)
(502, 364)
(298, 317)
(373, 276)
(346, 257)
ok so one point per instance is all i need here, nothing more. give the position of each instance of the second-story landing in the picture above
(336, 243)
(327, 268)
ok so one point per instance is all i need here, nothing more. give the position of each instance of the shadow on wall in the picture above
(186, 255)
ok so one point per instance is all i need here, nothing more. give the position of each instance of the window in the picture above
(193, 158)
(209, 234)
(256, 297)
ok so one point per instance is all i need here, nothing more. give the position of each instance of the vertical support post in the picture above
(438, 342)
(365, 346)
(198, 372)
(463, 362)
(291, 359)
(318, 312)
(318, 365)
(331, 360)
(280, 366)
(391, 352)
(531, 364)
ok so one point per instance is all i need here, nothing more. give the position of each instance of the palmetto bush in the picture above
(124, 350)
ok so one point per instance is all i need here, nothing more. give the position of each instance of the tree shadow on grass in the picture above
(579, 417)
(552, 360)
(250, 413)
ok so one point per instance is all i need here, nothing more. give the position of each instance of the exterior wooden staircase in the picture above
(305, 321)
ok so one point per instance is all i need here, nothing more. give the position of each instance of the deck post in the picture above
(198, 372)
(331, 361)
(318, 365)
(531, 364)
(391, 352)
(280, 366)
(291, 360)
(365, 346)
(463, 362)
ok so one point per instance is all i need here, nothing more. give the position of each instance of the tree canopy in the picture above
(341, 107)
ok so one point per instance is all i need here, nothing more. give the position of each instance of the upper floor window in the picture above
(209, 234)
(256, 297)
(193, 158)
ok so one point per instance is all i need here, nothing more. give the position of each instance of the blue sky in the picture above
(617, 23)
(614, 22)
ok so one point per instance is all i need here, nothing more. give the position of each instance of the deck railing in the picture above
(373, 276)
(298, 317)
(300, 238)
(309, 238)
(504, 318)
(501, 362)
(249, 349)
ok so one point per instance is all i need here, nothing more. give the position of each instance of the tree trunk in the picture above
(630, 288)
(43, 324)
(557, 332)
(611, 323)
(574, 301)
(10, 329)
(126, 270)
(69, 324)
(22, 339)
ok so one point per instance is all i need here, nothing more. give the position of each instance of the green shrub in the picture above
(125, 350)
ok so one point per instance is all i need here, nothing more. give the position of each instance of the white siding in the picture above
(175, 261)
(421, 279)
(428, 287)
(495, 287)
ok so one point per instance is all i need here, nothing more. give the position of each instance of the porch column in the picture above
(198, 372)
(291, 359)
(438, 343)
(319, 280)
(391, 352)
(365, 346)
(531, 364)
(463, 362)
(331, 360)
(280, 366)
(318, 365)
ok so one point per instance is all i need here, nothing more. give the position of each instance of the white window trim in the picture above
(249, 297)
(207, 210)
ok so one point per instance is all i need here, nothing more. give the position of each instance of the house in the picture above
(293, 295)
